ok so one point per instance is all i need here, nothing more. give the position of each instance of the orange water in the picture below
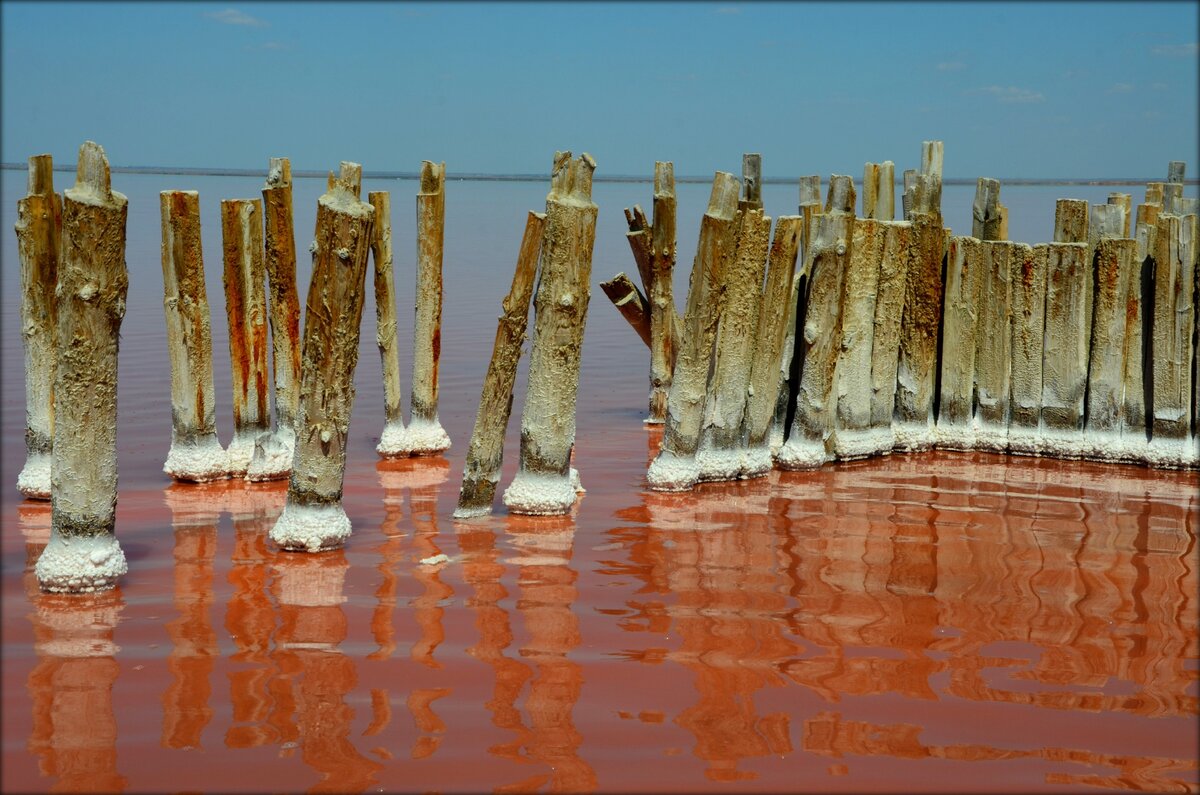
(941, 622)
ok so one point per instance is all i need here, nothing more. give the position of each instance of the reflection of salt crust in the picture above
(913, 437)
(272, 455)
(34, 480)
(992, 438)
(798, 453)
(756, 462)
(425, 437)
(240, 452)
(540, 495)
(199, 460)
(954, 437)
(849, 444)
(391, 443)
(78, 564)
(311, 528)
(669, 472)
(718, 465)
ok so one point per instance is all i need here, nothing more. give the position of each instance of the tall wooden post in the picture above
(985, 212)
(245, 305)
(485, 453)
(272, 458)
(1139, 318)
(879, 191)
(853, 436)
(545, 483)
(391, 442)
(964, 266)
(39, 233)
(675, 468)
(993, 346)
(896, 260)
(1171, 346)
(662, 295)
(1065, 352)
(1125, 202)
(196, 453)
(1116, 270)
(83, 553)
(1027, 278)
(313, 518)
(917, 365)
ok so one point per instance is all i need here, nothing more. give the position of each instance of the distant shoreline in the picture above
(413, 175)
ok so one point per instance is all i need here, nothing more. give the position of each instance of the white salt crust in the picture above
(669, 472)
(954, 437)
(198, 460)
(1172, 453)
(272, 455)
(391, 442)
(240, 452)
(756, 462)
(80, 564)
(540, 495)
(718, 465)
(34, 480)
(1055, 443)
(798, 453)
(311, 528)
(990, 438)
(849, 445)
(576, 483)
(913, 437)
(421, 437)
(1023, 441)
(775, 437)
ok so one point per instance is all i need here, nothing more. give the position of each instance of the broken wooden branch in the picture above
(639, 237)
(630, 302)
(391, 441)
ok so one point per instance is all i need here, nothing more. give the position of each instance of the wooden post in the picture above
(640, 232)
(909, 193)
(272, 458)
(993, 346)
(879, 191)
(1027, 277)
(768, 374)
(1172, 196)
(546, 483)
(630, 302)
(870, 188)
(83, 553)
(1175, 171)
(721, 446)
(1125, 202)
(752, 181)
(985, 212)
(1071, 221)
(196, 453)
(245, 305)
(929, 184)
(853, 435)
(1139, 298)
(39, 232)
(391, 441)
(1171, 346)
(485, 453)
(917, 364)
(816, 397)
(1105, 222)
(425, 435)
(1065, 353)
(313, 518)
(965, 264)
(895, 262)
(1115, 271)
(675, 468)
(1155, 193)
(663, 318)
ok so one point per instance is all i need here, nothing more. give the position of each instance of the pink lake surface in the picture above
(936, 622)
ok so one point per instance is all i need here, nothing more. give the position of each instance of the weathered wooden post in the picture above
(965, 263)
(246, 308)
(1125, 202)
(896, 260)
(83, 553)
(929, 180)
(675, 468)
(816, 398)
(630, 302)
(641, 230)
(986, 219)
(1155, 192)
(425, 435)
(909, 193)
(993, 346)
(1171, 346)
(196, 453)
(391, 441)
(1027, 279)
(768, 373)
(39, 232)
(663, 318)
(853, 436)
(545, 483)
(1116, 270)
(1139, 315)
(1065, 352)
(273, 452)
(879, 191)
(485, 453)
(313, 518)
(1071, 221)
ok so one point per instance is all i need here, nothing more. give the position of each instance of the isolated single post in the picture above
(993, 346)
(485, 453)
(39, 233)
(1171, 346)
(246, 308)
(896, 260)
(816, 397)
(1065, 352)
(1115, 270)
(391, 441)
(1027, 277)
(965, 262)
(273, 452)
(313, 518)
(917, 362)
(675, 468)
(545, 483)
(83, 553)
(196, 453)
(985, 212)
(767, 373)
(663, 318)
(720, 453)
(425, 435)
(630, 302)
(1125, 202)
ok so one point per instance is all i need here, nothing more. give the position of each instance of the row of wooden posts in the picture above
(897, 335)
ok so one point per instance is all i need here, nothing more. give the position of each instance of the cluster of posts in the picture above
(899, 336)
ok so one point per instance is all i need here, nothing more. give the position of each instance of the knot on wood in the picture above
(343, 253)
(88, 291)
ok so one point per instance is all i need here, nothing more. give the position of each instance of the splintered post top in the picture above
(722, 202)
(664, 178)
(841, 194)
(810, 190)
(433, 177)
(41, 175)
(279, 173)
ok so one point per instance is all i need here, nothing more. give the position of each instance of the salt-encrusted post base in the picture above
(540, 495)
(80, 564)
(241, 451)
(199, 459)
(757, 461)
(799, 453)
(717, 464)
(391, 441)
(34, 480)
(672, 472)
(990, 437)
(272, 459)
(424, 437)
(1061, 443)
(1023, 440)
(1171, 453)
(314, 527)
(851, 444)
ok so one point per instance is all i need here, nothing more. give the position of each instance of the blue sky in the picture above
(1014, 89)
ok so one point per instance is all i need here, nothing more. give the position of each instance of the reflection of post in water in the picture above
(34, 518)
(391, 550)
(74, 731)
(250, 616)
(195, 511)
(312, 625)
(424, 479)
(547, 595)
